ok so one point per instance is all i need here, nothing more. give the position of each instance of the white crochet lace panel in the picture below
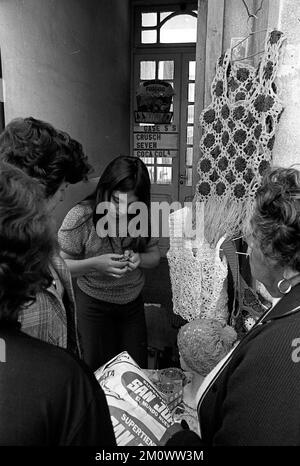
(198, 275)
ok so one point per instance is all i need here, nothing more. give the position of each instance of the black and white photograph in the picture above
(149, 230)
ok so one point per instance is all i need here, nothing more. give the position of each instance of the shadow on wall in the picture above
(162, 323)
(75, 193)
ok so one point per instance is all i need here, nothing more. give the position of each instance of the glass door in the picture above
(171, 173)
(163, 170)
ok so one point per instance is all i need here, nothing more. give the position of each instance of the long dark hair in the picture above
(124, 174)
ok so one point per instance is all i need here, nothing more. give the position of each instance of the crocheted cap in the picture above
(202, 343)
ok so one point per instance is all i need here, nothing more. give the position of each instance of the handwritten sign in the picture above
(155, 141)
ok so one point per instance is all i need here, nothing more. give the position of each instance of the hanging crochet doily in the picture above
(198, 275)
(238, 136)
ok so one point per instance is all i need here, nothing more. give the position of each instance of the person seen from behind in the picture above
(254, 397)
(48, 397)
(56, 160)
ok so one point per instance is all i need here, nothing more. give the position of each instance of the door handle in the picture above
(182, 178)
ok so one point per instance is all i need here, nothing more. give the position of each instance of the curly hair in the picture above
(202, 343)
(276, 217)
(26, 241)
(44, 153)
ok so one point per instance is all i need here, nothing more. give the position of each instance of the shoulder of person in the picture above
(272, 344)
(153, 241)
(59, 364)
(78, 216)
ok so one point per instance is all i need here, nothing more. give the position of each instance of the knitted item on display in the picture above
(198, 275)
(238, 137)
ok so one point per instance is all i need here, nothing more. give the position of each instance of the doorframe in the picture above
(199, 83)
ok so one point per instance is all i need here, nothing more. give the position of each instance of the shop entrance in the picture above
(165, 48)
(171, 177)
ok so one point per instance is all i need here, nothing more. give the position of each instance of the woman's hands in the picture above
(111, 265)
(134, 260)
(116, 265)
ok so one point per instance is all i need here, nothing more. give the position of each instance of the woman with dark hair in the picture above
(252, 397)
(106, 247)
(47, 397)
(56, 160)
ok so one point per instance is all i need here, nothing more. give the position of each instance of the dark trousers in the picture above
(107, 329)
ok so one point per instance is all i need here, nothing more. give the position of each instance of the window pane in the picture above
(163, 175)
(189, 135)
(192, 70)
(149, 37)
(146, 124)
(149, 19)
(189, 174)
(147, 70)
(189, 156)
(181, 28)
(166, 69)
(190, 113)
(151, 173)
(164, 15)
(148, 160)
(191, 92)
(164, 160)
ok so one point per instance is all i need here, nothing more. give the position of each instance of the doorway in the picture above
(171, 177)
(165, 49)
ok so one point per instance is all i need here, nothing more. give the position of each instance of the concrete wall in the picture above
(46, 57)
(112, 68)
(68, 62)
(236, 24)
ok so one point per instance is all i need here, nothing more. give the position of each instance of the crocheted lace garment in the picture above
(198, 275)
(238, 136)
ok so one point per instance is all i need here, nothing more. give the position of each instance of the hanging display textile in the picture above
(198, 275)
(248, 305)
(239, 129)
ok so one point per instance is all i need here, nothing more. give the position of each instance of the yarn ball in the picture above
(202, 343)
